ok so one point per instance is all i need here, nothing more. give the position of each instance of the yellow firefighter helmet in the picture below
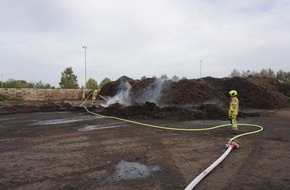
(233, 93)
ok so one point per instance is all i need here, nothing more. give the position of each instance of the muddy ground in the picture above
(59, 145)
(77, 150)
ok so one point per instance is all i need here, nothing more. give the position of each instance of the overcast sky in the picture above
(40, 38)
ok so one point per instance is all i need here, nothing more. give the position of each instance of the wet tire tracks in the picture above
(249, 164)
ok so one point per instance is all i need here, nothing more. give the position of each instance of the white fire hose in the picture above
(231, 146)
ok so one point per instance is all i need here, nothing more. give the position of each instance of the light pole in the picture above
(1, 80)
(85, 47)
(200, 69)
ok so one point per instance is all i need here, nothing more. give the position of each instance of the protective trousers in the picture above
(94, 97)
(84, 95)
(233, 120)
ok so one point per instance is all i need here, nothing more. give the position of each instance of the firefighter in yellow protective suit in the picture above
(84, 95)
(234, 110)
(95, 93)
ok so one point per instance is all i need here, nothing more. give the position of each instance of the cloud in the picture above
(39, 39)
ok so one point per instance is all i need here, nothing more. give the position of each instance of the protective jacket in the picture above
(95, 93)
(234, 106)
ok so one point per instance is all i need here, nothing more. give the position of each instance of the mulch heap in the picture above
(187, 99)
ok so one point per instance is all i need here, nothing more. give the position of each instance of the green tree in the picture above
(105, 81)
(175, 78)
(41, 85)
(267, 73)
(68, 80)
(244, 74)
(143, 78)
(92, 84)
(235, 73)
(11, 83)
(283, 77)
(164, 77)
(247, 73)
(271, 73)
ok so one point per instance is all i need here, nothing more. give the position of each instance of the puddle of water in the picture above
(57, 121)
(104, 126)
(61, 121)
(130, 171)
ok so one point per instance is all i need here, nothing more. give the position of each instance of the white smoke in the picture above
(151, 93)
(125, 96)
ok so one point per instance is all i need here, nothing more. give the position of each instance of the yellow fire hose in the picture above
(231, 143)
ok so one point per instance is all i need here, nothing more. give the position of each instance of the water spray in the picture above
(104, 98)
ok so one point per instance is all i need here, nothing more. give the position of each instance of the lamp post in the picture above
(200, 68)
(1, 80)
(85, 47)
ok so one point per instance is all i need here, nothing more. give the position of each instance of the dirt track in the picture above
(71, 150)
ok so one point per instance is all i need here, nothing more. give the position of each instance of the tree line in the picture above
(281, 76)
(69, 80)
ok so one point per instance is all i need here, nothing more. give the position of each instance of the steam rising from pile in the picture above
(122, 97)
(126, 96)
(151, 93)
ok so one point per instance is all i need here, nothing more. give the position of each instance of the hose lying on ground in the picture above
(182, 129)
(231, 143)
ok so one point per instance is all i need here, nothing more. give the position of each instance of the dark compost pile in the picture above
(205, 98)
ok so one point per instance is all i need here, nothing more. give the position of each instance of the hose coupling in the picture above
(233, 144)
